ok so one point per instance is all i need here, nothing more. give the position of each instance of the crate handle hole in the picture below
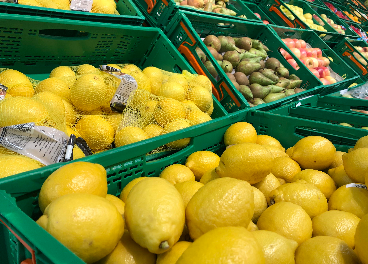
(63, 33)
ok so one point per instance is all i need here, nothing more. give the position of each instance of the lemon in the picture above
(65, 73)
(214, 205)
(268, 140)
(153, 130)
(168, 110)
(350, 199)
(89, 225)
(210, 111)
(200, 162)
(180, 79)
(201, 97)
(203, 81)
(56, 86)
(252, 227)
(287, 219)
(156, 77)
(187, 189)
(241, 247)
(70, 115)
(318, 178)
(241, 132)
(337, 160)
(260, 203)
(209, 176)
(129, 135)
(248, 161)
(362, 143)
(96, 131)
(155, 214)
(14, 164)
(339, 176)
(128, 252)
(77, 177)
(336, 224)
(177, 173)
(285, 168)
(314, 152)
(114, 120)
(276, 248)
(267, 185)
(86, 68)
(132, 67)
(17, 83)
(189, 107)
(282, 181)
(325, 250)
(142, 80)
(361, 239)
(174, 126)
(119, 204)
(173, 254)
(148, 109)
(198, 117)
(356, 164)
(275, 151)
(308, 196)
(172, 90)
(126, 190)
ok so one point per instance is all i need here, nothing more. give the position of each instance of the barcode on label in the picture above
(81, 5)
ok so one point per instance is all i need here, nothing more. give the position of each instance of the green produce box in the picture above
(346, 50)
(128, 13)
(358, 4)
(257, 9)
(328, 110)
(159, 13)
(338, 65)
(24, 239)
(186, 31)
(315, 2)
(274, 11)
(341, 6)
(355, 11)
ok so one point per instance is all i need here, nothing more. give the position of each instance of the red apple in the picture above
(303, 53)
(326, 61)
(303, 44)
(289, 42)
(265, 22)
(320, 71)
(296, 52)
(321, 62)
(288, 56)
(324, 81)
(293, 63)
(330, 79)
(257, 15)
(315, 72)
(283, 52)
(297, 43)
(311, 53)
(326, 71)
(319, 52)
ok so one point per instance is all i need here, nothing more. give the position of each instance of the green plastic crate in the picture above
(129, 13)
(338, 65)
(327, 110)
(255, 8)
(273, 8)
(342, 7)
(351, 8)
(359, 5)
(186, 31)
(315, 2)
(18, 200)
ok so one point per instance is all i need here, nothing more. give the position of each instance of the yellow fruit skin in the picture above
(172, 90)
(361, 239)
(201, 97)
(65, 73)
(156, 77)
(325, 250)
(117, 202)
(241, 132)
(155, 214)
(77, 177)
(336, 224)
(129, 135)
(339, 176)
(171, 256)
(214, 205)
(14, 164)
(209, 176)
(337, 160)
(252, 227)
(287, 219)
(174, 126)
(128, 252)
(56, 86)
(177, 173)
(361, 143)
(356, 164)
(268, 140)
(89, 225)
(202, 161)
(153, 130)
(275, 151)
(126, 190)
(319, 179)
(260, 204)
(247, 161)
(203, 81)
(285, 168)
(86, 68)
(168, 110)
(188, 189)
(276, 248)
(313, 152)
(235, 245)
(352, 199)
(267, 185)
(17, 83)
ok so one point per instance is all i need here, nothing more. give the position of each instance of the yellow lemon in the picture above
(177, 173)
(361, 239)
(350, 199)
(313, 152)
(276, 248)
(336, 224)
(241, 247)
(252, 227)
(241, 132)
(260, 203)
(356, 164)
(247, 161)
(362, 143)
(203, 81)
(14, 164)
(77, 177)
(155, 76)
(325, 250)
(287, 219)
(17, 83)
(267, 185)
(200, 162)
(174, 126)
(209, 176)
(201, 97)
(214, 205)
(339, 176)
(56, 86)
(65, 73)
(282, 181)
(129, 135)
(268, 140)
(285, 168)
(153, 130)
(168, 110)
(142, 80)
(126, 190)
(198, 117)
(86, 68)
(318, 178)
(187, 189)
(171, 256)
(180, 79)
(337, 160)
(172, 90)
(275, 151)
(119, 204)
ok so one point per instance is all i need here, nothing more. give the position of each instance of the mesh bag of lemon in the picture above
(76, 100)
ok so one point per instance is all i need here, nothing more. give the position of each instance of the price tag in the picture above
(10, 1)
(356, 185)
(3, 90)
(81, 5)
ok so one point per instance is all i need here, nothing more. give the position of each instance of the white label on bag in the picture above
(127, 85)
(44, 144)
(356, 185)
(3, 90)
(81, 5)
(343, 91)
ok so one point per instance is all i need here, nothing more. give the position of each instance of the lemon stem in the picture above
(164, 245)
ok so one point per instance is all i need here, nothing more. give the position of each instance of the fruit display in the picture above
(265, 21)
(254, 202)
(364, 52)
(335, 26)
(257, 77)
(310, 57)
(215, 6)
(344, 15)
(76, 100)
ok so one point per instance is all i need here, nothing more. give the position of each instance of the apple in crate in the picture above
(265, 22)
(324, 81)
(330, 79)
(311, 53)
(360, 49)
(296, 52)
(303, 53)
(289, 43)
(319, 52)
(326, 61)
(258, 15)
(293, 63)
(315, 72)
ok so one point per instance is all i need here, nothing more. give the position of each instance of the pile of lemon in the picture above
(256, 203)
